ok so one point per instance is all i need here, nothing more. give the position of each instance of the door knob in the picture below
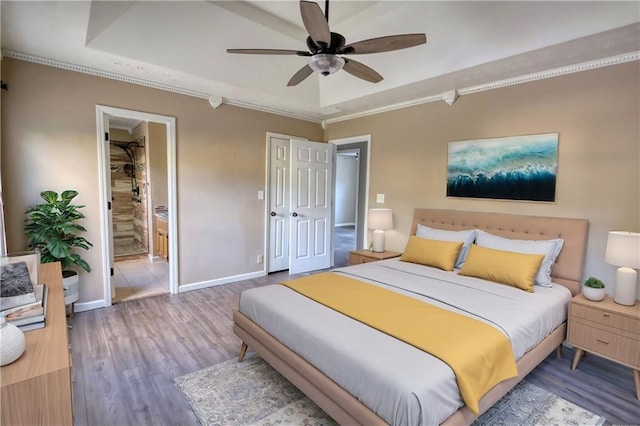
(273, 213)
(294, 214)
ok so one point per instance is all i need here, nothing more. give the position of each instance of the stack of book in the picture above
(21, 302)
(29, 316)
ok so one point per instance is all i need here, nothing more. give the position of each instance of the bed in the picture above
(356, 383)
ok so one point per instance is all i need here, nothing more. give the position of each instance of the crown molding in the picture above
(133, 80)
(585, 66)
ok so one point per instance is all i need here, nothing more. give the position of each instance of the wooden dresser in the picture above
(37, 388)
(606, 329)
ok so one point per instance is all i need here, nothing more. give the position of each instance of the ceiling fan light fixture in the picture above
(325, 63)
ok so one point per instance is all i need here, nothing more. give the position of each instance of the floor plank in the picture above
(127, 356)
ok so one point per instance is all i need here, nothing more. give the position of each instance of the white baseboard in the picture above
(345, 224)
(88, 306)
(97, 304)
(220, 281)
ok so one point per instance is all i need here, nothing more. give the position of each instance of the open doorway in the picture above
(346, 205)
(138, 188)
(354, 152)
(139, 193)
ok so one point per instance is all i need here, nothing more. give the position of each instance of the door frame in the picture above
(105, 178)
(367, 164)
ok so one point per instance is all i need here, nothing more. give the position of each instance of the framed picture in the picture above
(510, 168)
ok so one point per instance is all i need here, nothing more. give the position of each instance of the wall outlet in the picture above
(260, 259)
(380, 198)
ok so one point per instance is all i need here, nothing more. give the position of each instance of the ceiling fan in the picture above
(326, 46)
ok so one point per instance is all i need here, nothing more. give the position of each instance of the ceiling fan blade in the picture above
(302, 73)
(384, 44)
(269, 52)
(315, 22)
(360, 70)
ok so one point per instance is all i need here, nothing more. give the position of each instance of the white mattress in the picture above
(402, 384)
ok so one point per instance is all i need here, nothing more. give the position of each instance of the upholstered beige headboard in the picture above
(569, 265)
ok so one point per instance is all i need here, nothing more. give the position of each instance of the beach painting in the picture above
(510, 168)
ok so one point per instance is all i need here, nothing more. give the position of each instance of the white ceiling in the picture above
(181, 44)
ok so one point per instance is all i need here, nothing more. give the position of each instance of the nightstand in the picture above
(366, 256)
(606, 329)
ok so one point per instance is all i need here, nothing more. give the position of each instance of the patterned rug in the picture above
(253, 393)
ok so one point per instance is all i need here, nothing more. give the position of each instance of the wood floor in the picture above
(127, 356)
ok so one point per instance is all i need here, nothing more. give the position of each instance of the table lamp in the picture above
(623, 249)
(379, 220)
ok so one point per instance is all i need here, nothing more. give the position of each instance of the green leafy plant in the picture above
(594, 283)
(51, 228)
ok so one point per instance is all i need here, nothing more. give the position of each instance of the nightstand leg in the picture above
(576, 358)
(636, 379)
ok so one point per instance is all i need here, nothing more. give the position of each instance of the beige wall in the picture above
(597, 116)
(49, 141)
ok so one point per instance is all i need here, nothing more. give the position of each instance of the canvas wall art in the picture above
(510, 168)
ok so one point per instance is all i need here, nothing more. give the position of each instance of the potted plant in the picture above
(51, 228)
(593, 289)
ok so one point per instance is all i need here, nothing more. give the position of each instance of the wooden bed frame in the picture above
(345, 408)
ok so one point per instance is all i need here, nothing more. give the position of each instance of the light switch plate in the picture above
(380, 198)
(261, 195)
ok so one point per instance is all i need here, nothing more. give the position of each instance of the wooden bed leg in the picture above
(243, 351)
(559, 352)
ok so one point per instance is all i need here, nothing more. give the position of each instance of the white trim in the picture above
(220, 281)
(337, 225)
(140, 82)
(89, 306)
(584, 66)
(170, 123)
(356, 139)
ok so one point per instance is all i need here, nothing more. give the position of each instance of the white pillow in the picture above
(466, 237)
(550, 249)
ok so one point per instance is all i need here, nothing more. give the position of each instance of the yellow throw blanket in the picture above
(479, 354)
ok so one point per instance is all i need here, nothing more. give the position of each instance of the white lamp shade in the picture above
(380, 219)
(623, 249)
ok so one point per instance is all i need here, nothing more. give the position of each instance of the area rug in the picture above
(253, 393)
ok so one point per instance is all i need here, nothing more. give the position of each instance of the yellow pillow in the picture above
(506, 267)
(440, 254)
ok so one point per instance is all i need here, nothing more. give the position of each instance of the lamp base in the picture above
(378, 240)
(626, 280)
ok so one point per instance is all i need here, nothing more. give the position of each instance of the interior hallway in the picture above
(345, 241)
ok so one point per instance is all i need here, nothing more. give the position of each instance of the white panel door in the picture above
(278, 257)
(311, 206)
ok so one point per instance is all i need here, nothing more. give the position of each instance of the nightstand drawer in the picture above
(604, 343)
(355, 259)
(610, 319)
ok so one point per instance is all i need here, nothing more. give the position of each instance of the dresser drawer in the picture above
(600, 342)
(607, 318)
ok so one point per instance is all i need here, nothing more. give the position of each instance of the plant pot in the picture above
(594, 294)
(70, 283)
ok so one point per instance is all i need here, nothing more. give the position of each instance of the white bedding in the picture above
(402, 384)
